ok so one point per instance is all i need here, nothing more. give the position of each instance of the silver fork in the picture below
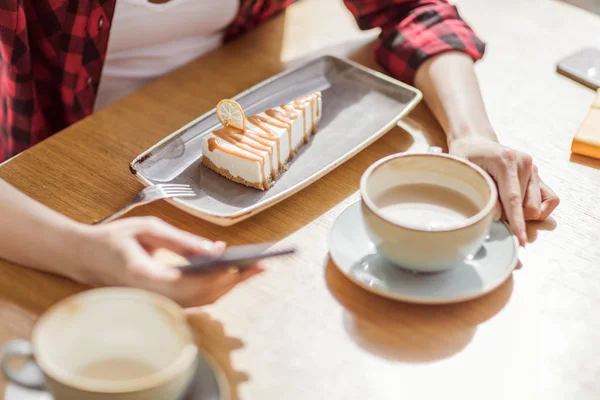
(150, 194)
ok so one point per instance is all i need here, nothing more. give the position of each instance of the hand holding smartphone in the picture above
(240, 257)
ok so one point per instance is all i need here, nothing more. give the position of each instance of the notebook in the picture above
(587, 139)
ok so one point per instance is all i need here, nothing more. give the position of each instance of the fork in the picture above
(150, 194)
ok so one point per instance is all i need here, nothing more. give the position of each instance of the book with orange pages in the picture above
(587, 139)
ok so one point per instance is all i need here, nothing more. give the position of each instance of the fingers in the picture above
(154, 233)
(206, 288)
(510, 194)
(220, 278)
(521, 192)
(498, 214)
(525, 171)
(532, 204)
(250, 272)
(145, 270)
(187, 290)
(549, 201)
(127, 251)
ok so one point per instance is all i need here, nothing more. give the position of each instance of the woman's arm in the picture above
(412, 31)
(450, 88)
(428, 44)
(115, 254)
(36, 236)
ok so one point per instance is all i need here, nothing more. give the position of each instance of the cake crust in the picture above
(223, 172)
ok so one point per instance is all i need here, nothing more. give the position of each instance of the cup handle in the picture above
(29, 375)
(434, 150)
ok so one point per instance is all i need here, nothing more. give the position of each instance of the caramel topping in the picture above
(213, 144)
(239, 149)
(267, 120)
(237, 137)
(306, 100)
(310, 104)
(267, 142)
(250, 142)
(266, 133)
(281, 117)
(290, 112)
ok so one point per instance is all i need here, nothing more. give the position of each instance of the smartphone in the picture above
(234, 256)
(582, 67)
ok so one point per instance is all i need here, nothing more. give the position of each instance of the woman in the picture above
(57, 65)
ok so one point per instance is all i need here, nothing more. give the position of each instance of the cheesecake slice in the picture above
(256, 155)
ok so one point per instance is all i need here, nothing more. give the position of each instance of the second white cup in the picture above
(108, 344)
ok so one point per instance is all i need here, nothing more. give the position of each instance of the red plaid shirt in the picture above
(52, 53)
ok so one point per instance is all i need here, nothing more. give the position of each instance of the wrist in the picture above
(57, 244)
(470, 133)
(76, 241)
(96, 258)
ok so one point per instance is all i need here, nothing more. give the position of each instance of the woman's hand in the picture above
(523, 195)
(120, 254)
(115, 254)
(451, 90)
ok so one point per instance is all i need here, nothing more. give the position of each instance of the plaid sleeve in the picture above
(253, 13)
(414, 30)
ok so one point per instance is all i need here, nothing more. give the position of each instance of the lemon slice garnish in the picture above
(231, 114)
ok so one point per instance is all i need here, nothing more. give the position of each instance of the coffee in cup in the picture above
(425, 206)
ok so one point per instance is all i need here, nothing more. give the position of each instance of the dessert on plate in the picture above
(253, 151)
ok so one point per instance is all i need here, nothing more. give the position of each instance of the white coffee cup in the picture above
(107, 344)
(427, 249)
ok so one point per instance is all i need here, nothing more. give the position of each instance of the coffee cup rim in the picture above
(186, 357)
(482, 214)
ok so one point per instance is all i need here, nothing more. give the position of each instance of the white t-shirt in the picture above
(148, 40)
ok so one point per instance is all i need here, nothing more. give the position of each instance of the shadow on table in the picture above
(407, 332)
(534, 227)
(210, 337)
(586, 161)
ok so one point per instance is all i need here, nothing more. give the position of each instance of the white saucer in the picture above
(209, 383)
(356, 257)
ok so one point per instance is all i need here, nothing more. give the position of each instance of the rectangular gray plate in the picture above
(359, 106)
